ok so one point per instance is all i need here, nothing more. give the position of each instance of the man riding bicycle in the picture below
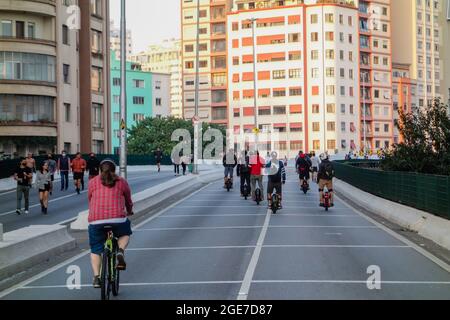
(243, 171)
(325, 177)
(303, 166)
(110, 204)
(277, 177)
(229, 162)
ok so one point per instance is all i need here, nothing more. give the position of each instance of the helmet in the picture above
(324, 156)
(303, 156)
(108, 161)
(274, 154)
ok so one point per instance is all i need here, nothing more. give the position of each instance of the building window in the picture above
(97, 147)
(138, 117)
(31, 30)
(65, 34)
(316, 126)
(67, 112)
(6, 28)
(157, 85)
(279, 110)
(138, 83)
(116, 82)
(66, 73)
(158, 102)
(96, 42)
(96, 7)
(25, 108)
(97, 111)
(96, 79)
(27, 66)
(219, 114)
(116, 116)
(138, 100)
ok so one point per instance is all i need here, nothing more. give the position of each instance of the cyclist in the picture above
(110, 204)
(243, 171)
(229, 162)
(303, 166)
(277, 177)
(325, 176)
(257, 163)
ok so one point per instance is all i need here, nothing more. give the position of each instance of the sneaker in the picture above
(96, 282)
(26, 212)
(45, 211)
(321, 205)
(18, 212)
(121, 265)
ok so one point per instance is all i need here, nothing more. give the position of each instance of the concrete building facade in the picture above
(306, 73)
(114, 40)
(46, 65)
(165, 58)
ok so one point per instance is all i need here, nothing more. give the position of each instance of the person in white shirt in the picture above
(315, 166)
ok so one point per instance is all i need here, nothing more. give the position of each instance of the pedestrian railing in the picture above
(430, 193)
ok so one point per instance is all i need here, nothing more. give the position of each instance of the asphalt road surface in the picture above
(215, 245)
(65, 205)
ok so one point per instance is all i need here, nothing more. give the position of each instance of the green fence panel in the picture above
(429, 193)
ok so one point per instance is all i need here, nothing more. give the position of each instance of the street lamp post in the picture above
(197, 79)
(255, 101)
(123, 93)
(364, 115)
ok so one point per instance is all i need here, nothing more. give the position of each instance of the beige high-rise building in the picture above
(213, 59)
(416, 35)
(53, 76)
(114, 40)
(444, 27)
(165, 58)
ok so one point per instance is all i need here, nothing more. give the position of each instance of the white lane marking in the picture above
(246, 283)
(212, 215)
(86, 252)
(61, 198)
(143, 284)
(284, 207)
(335, 246)
(139, 284)
(190, 248)
(399, 237)
(343, 227)
(199, 228)
(352, 282)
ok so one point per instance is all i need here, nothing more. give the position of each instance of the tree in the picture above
(426, 142)
(153, 133)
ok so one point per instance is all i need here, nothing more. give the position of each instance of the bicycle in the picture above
(305, 186)
(246, 192)
(229, 184)
(275, 203)
(258, 196)
(327, 200)
(109, 275)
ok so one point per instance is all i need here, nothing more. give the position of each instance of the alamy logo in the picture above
(74, 280)
(73, 22)
(374, 280)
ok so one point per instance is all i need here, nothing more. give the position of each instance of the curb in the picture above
(425, 224)
(23, 248)
(152, 198)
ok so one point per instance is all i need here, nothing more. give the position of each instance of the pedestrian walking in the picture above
(52, 165)
(23, 175)
(176, 166)
(158, 157)
(64, 166)
(78, 168)
(184, 163)
(43, 181)
(93, 166)
(31, 163)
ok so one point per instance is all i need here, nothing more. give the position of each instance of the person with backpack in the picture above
(277, 177)
(303, 166)
(93, 166)
(325, 176)
(243, 171)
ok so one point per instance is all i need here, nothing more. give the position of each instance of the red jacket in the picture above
(256, 165)
(78, 165)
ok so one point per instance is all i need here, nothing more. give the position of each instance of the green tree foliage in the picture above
(426, 142)
(153, 133)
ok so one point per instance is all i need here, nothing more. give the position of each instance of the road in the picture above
(65, 205)
(214, 245)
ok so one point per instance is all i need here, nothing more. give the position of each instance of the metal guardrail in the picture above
(430, 193)
(7, 167)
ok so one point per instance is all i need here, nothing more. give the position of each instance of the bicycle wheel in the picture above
(115, 277)
(104, 277)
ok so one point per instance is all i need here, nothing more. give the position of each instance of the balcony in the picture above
(42, 7)
(27, 40)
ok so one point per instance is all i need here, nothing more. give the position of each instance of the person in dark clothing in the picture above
(229, 163)
(243, 171)
(158, 158)
(303, 166)
(93, 166)
(277, 177)
(64, 165)
(325, 177)
(23, 175)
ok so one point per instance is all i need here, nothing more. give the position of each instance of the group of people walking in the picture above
(43, 177)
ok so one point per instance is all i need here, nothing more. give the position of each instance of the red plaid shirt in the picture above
(109, 203)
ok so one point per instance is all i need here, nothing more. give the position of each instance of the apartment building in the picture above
(444, 26)
(114, 40)
(213, 58)
(417, 41)
(165, 58)
(306, 74)
(53, 83)
(377, 115)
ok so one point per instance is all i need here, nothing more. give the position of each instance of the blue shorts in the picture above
(97, 234)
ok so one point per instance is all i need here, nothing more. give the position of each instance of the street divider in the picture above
(427, 225)
(154, 197)
(23, 248)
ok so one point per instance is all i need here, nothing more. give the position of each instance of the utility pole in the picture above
(255, 101)
(196, 119)
(123, 93)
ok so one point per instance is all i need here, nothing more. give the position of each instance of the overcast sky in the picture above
(150, 21)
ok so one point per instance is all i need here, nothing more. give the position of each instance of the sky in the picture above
(150, 21)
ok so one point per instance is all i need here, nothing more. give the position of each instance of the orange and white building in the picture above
(307, 73)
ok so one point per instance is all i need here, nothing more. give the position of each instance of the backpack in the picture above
(328, 170)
